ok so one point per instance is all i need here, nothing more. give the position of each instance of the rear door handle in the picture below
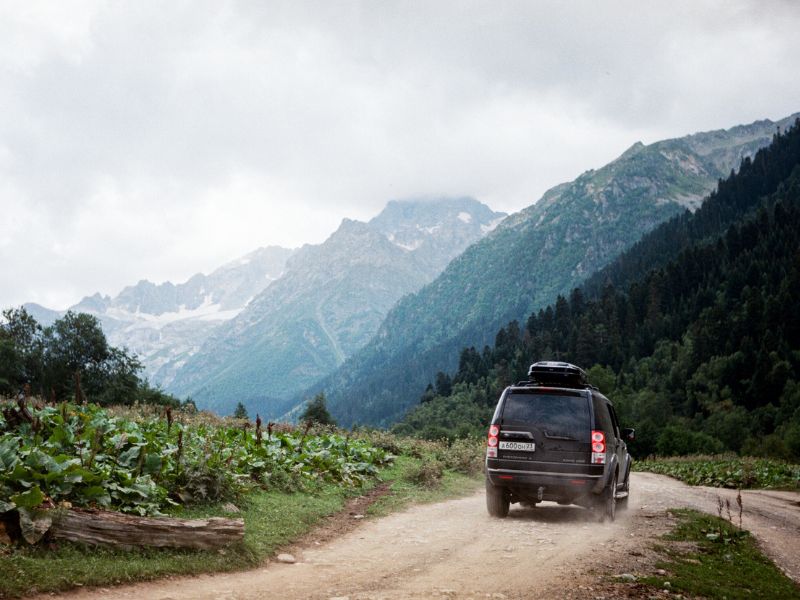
(525, 435)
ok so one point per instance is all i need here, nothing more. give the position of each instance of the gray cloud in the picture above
(155, 140)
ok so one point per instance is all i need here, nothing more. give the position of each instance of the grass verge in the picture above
(404, 491)
(272, 520)
(710, 557)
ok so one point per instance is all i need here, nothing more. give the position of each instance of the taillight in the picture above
(491, 441)
(598, 448)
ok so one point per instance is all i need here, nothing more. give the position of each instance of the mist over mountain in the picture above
(328, 304)
(534, 255)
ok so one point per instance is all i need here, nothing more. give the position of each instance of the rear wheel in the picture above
(496, 501)
(610, 500)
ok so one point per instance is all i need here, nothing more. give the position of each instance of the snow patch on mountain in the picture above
(207, 311)
(410, 246)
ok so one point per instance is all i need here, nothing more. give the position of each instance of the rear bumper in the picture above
(538, 478)
(555, 486)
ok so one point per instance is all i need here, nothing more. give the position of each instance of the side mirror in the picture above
(629, 434)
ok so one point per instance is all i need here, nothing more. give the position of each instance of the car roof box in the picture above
(548, 372)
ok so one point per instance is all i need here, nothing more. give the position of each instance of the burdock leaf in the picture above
(30, 499)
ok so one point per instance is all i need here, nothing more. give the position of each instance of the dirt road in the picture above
(455, 550)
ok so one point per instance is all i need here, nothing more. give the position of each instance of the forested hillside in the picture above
(694, 333)
(534, 255)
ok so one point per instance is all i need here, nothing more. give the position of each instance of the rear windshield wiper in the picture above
(551, 436)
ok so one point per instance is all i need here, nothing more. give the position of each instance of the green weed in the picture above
(86, 456)
(728, 471)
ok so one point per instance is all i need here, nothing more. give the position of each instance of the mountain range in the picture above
(544, 250)
(265, 326)
(373, 313)
(328, 304)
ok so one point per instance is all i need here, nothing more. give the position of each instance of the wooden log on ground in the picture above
(98, 527)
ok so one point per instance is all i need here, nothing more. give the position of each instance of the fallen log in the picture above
(106, 528)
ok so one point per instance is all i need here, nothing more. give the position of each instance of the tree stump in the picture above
(108, 528)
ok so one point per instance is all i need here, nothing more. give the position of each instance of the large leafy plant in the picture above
(84, 456)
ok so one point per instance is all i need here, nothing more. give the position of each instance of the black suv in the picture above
(557, 438)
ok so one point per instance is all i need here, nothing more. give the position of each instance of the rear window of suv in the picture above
(562, 415)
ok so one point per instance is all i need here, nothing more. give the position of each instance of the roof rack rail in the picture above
(530, 383)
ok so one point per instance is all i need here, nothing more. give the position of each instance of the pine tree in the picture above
(316, 412)
(240, 412)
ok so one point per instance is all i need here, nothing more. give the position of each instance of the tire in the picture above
(496, 501)
(610, 501)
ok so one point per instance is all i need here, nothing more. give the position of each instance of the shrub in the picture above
(380, 438)
(464, 456)
(427, 474)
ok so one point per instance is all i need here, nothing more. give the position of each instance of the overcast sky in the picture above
(158, 139)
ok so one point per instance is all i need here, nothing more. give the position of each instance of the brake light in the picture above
(598, 448)
(491, 441)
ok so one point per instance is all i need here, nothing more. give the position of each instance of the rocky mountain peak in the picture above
(94, 304)
(634, 149)
(427, 215)
(435, 228)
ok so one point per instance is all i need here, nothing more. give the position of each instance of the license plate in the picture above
(518, 446)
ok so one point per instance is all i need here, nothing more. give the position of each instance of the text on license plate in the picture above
(519, 446)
